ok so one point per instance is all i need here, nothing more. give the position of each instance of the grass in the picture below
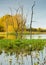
(24, 46)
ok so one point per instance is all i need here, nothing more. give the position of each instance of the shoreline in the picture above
(35, 33)
(26, 32)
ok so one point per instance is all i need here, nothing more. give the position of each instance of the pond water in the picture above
(35, 36)
(36, 58)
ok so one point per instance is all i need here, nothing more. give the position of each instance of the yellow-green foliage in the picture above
(15, 20)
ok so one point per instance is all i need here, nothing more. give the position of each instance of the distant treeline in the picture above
(36, 30)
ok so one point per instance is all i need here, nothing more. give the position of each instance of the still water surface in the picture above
(35, 36)
(38, 58)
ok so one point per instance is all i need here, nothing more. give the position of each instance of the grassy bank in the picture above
(28, 33)
(24, 46)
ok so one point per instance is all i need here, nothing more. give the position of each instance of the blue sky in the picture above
(39, 10)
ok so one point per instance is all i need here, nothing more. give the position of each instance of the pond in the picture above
(35, 36)
(36, 58)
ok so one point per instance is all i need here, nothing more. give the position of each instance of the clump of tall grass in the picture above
(24, 46)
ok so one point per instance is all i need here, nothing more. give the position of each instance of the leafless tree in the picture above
(23, 22)
(20, 23)
(7, 27)
(15, 30)
(12, 23)
(31, 20)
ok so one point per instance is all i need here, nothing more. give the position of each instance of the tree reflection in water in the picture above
(38, 58)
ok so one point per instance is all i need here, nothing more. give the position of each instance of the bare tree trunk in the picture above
(31, 21)
(22, 22)
(7, 28)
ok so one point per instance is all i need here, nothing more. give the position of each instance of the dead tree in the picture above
(25, 20)
(21, 22)
(31, 20)
(12, 23)
(15, 30)
(18, 26)
(7, 28)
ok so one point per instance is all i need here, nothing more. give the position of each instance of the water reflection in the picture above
(38, 58)
(35, 36)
